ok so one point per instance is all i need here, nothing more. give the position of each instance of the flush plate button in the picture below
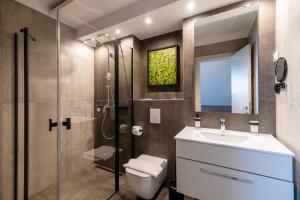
(155, 115)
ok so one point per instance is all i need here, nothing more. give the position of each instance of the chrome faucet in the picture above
(222, 126)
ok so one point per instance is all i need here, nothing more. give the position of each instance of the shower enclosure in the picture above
(67, 109)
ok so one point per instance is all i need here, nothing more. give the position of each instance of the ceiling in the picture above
(231, 25)
(94, 17)
(82, 12)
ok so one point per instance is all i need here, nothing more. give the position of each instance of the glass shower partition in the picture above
(40, 109)
(95, 75)
(87, 159)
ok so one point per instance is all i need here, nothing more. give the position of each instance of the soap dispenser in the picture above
(197, 120)
(254, 126)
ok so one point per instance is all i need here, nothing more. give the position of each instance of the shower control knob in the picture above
(108, 76)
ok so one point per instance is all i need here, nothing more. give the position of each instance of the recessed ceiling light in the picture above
(118, 31)
(106, 35)
(85, 42)
(190, 6)
(113, 38)
(93, 39)
(148, 20)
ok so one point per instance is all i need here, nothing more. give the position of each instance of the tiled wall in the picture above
(158, 139)
(77, 92)
(288, 101)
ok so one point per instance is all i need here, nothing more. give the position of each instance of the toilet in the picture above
(143, 184)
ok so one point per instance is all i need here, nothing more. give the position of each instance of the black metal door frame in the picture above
(117, 118)
(26, 112)
(16, 116)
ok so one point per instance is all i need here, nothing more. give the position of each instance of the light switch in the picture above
(155, 115)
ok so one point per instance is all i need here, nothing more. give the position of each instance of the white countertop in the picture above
(249, 141)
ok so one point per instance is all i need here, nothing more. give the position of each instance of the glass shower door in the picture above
(87, 134)
(41, 110)
(95, 106)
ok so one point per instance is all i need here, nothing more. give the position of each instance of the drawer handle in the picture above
(226, 176)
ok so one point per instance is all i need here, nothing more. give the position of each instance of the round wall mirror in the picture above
(281, 69)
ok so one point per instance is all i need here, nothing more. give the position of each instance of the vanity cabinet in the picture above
(261, 168)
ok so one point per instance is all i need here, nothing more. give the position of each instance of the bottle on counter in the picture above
(197, 120)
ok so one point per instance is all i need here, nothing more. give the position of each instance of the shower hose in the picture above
(108, 107)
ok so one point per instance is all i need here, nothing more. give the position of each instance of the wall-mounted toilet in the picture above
(140, 177)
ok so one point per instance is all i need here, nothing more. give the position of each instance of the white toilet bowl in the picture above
(145, 185)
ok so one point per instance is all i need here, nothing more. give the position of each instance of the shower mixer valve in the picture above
(105, 107)
(108, 76)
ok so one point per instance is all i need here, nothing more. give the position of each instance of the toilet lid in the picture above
(153, 160)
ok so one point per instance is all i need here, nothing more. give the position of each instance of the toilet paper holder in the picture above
(137, 130)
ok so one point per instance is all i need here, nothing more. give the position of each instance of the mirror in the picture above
(226, 62)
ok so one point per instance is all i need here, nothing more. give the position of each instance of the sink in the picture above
(224, 138)
(234, 139)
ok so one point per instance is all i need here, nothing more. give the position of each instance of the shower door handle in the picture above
(67, 123)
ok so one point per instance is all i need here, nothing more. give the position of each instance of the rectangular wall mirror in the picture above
(226, 62)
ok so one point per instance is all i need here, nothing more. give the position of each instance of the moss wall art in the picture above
(163, 67)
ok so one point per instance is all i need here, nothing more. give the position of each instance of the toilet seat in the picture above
(137, 173)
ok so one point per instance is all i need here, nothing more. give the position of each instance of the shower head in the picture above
(95, 42)
(91, 43)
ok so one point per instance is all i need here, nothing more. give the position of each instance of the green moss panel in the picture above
(163, 67)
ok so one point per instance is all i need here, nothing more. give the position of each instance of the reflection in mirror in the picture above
(226, 62)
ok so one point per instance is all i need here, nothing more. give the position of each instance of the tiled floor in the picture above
(92, 184)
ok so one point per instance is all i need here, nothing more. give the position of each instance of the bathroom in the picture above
(79, 106)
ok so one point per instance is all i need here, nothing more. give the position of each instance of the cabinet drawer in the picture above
(210, 182)
(267, 164)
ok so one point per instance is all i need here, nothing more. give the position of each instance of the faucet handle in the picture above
(222, 120)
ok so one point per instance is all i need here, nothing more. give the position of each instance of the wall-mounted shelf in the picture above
(149, 99)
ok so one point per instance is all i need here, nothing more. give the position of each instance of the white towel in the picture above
(144, 167)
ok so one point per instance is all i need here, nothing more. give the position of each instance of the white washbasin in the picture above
(234, 139)
(223, 137)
